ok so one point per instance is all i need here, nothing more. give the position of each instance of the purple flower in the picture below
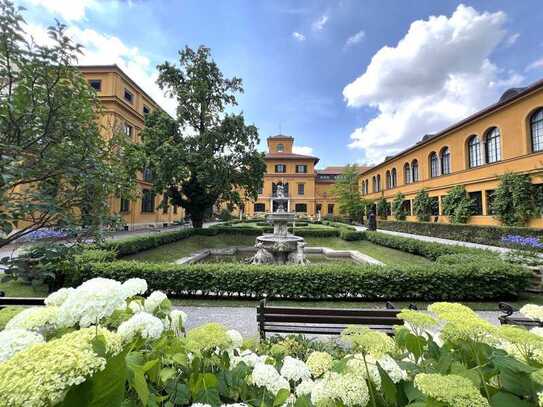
(43, 234)
(524, 242)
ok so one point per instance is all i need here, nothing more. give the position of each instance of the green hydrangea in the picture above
(350, 389)
(369, 341)
(522, 343)
(532, 311)
(417, 321)
(35, 319)
(42, 374)
(453, 390)
(319, 362)
(208, 337)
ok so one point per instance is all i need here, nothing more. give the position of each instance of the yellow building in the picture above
(307, 189)
(505, 137)
(125, 105)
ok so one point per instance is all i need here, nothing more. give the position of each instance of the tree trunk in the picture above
(197, 221)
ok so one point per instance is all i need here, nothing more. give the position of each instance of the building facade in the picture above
(124, 106)
(308, 190)
(505, 137)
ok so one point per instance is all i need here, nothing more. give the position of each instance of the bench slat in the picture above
(331, 319)
(330, 311)
(27, 301)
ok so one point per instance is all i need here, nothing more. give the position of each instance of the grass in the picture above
(16, 288)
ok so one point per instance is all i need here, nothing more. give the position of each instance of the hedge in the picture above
(476, 280)
(489, 235)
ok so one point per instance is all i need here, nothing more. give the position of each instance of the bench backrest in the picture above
(23, 301)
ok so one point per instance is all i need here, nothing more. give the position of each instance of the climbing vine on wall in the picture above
(457, 205)
(514, 202)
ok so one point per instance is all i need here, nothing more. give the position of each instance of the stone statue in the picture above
(319, 216)
(298, 257)
(262, 256)
(372, 221)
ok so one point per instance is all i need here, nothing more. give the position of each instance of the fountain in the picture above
(280, 247)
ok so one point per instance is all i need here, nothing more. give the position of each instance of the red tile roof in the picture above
(291, 156)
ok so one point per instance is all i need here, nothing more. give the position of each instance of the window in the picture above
(378, 183)
(434, 165)
(477, 198)
(300, 207)
(301, 189)
(445, 161)
(301, 169)
(260, 207)
(330, 209)
(128, 129)
(280, 168)
(148, 201)
(388, 180)
(406, 206)
(147, 174)
(374, 184)
(474, 152)
(536, 130)
(128, 96)
(435, 206)
(393, 178)
(280, 148)
(407, 173)
(415, 171)
(146, 110)
(165, 203)
(125, 205)
(492, 145)
(96, 84)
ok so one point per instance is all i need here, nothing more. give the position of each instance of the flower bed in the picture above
(119, 347)
(489, 235)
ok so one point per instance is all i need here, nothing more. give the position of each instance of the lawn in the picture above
(14, 288)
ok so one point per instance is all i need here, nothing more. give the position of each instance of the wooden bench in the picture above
(20, 301)
(324, 321)
(507, 317)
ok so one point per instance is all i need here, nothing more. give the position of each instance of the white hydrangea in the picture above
(200, 405)
(146, 325)
(537, 330)
(16, 340)
(135, 306)
(357, 367)
(532, 311)
(235, 337)
(295, 369)
(234, 405)
(176, 321)
(58, 297)
(395, 372)
(91, 302)
(134, 286)
(154, 300)
(249, 358)
(35, 319)
(305, 387)
(351, 389)
(267, 376)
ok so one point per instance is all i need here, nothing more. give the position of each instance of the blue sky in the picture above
(351, 80)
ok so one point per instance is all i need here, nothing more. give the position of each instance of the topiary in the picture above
(422, 206)
(457, 205)
(382, 207)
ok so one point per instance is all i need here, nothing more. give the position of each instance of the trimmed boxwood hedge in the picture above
(489, 235)
(481, 279)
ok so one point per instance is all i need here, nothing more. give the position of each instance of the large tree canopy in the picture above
(347, 193)
(203, 156)
(56, 169)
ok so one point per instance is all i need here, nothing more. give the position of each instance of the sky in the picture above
(352, 81)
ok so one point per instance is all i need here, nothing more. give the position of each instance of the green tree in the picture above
(56, 170)
(204, 156)
(423, 206)
(457, 205)
(515, 200)
(398, 207)
(347, 193)
(382, 207)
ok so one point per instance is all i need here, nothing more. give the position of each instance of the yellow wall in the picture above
(516, 156)
(117, 112)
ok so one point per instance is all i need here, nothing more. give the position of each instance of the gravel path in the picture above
(243, 319)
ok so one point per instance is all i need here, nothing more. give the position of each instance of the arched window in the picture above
(393, 178)
(374, 184)
(378, 183)
(415, 171)
(407, 173)
(492, 145)
(434, 165)
(536, 130)
(445, 161)
(280, 147)
(388, 180)
(474, 152)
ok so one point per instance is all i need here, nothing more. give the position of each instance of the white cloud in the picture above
(318, 25)
(298, 36)
(305, 150)
(535, 65)
(512, 39)
(437, 74)
(102, 49)
(355, 39)
(70, 10)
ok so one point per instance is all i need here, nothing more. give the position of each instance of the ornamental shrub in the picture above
(382, 207)
(423, 205)
(457, 205)
(398, 207)
(514, 202)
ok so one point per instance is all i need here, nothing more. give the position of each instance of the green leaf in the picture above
(281, 397)
(167, 373)
(502, 399)
(388, 387)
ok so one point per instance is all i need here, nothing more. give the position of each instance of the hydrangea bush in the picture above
(105, 343)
